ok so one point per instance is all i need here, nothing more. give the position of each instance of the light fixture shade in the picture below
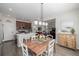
(35, 22)
(40, 22)
(44, 23)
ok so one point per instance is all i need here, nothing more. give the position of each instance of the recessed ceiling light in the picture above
(8, 15)
(10, 9)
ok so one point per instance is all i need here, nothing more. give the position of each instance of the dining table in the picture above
(37, 47)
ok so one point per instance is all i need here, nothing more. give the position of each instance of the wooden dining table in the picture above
(37, 47)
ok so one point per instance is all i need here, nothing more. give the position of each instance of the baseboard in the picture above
(78, 49)
(5, 41)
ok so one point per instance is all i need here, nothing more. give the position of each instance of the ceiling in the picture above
(32, 11)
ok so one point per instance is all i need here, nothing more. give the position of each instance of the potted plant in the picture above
(72, 31)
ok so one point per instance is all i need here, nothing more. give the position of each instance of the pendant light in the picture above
(42, 11)
(41, 16)
(42, 22)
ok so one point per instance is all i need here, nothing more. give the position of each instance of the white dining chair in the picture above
(20, 38)
(27, 36)
(33, 38)
(50, 50)
(24, 49)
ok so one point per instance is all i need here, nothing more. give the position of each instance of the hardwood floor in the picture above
(10, 49)
(62, 51)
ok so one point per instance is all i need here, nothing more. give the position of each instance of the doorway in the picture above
(52, 27)
(1, 38)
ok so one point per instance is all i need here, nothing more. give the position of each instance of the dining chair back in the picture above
(19, 38)
(50, 49)
(24, 50)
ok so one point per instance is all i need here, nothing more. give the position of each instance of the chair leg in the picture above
(54, 49)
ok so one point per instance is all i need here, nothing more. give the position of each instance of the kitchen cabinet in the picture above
(23, 25)
(67, 40)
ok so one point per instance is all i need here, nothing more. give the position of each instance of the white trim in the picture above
(23, 21)
(78, 48)
(7, 40)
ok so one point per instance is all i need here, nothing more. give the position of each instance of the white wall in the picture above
(71, 16)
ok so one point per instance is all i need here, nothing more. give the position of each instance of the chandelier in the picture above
(41, 22)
